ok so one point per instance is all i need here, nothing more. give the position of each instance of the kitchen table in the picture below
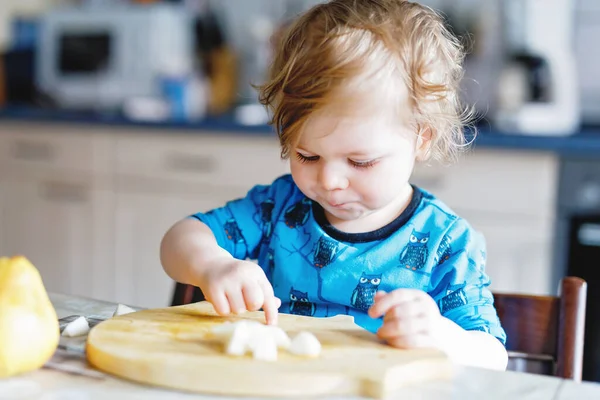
(85, 383)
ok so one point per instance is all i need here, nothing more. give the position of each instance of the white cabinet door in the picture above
(142, 219)
(518, 253)
(486, 180)
(54, 224)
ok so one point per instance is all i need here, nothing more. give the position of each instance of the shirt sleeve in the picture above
(460, 285)
(241, 225)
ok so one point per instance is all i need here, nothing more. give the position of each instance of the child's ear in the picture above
(424, 139)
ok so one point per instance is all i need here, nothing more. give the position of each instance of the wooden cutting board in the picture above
(173, 348)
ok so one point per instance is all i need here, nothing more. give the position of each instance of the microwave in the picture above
(96, 58)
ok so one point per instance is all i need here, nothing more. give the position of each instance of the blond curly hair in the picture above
(377, 44)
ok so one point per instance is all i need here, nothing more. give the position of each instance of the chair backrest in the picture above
(186, 294)
(546, 329)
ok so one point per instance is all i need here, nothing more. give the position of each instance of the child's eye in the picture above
(362, 164)
(306, 159)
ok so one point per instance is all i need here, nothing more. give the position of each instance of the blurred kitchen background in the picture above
(119, 117)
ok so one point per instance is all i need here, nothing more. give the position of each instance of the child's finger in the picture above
(394, 328)
(271, 303)
(219, 302)
(271, 310)
(407, 310)
(379, 294)
(254, 297)
(236, 301)
(392, 299)
(411, 342)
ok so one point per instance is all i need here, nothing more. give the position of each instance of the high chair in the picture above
(545, 334)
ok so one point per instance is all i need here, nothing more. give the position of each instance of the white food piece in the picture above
(263, 347)
(122, 309)
(305, 344)
(237, 344)
(282, 340)
(224, 331)
(246, 336)
(78, 327)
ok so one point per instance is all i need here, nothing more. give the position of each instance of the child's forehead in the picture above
(371, 95)
(356, 115)
(351, 134)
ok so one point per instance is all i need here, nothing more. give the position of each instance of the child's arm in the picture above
(187, 250)
(190, 254)
(456, 314)
(474, 348)
(412, 320)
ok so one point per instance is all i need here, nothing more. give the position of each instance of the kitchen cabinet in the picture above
(518, 252)
(141, 222)
(169, 159)
(142, 218)
(495, 181)
(56, 205)
(174, 176)
(56, 224)
(89, 205)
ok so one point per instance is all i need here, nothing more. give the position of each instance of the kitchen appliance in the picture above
(538, 91)
(587, 32)
(94, 57)
(173, 347)
(577, 250)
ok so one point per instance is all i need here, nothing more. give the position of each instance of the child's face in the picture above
(356, 167)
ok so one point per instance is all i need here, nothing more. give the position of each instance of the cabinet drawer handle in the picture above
(190, 163)
(65, 192)
(32, 151)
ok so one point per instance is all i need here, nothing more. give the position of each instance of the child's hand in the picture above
(237, 286)
(411, 319)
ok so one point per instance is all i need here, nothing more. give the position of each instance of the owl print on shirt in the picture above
(363, 294)
(298, 214)
(325, 252)
(266, 215)
(416, 251)
(233, 231)
(300, 304)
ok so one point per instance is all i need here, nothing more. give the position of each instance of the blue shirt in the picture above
(317, 270)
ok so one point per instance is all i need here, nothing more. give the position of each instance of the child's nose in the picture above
(332, 177)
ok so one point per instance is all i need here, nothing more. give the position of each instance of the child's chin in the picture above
(345, 214)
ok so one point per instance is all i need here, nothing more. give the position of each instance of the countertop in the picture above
(469, 383)
(585, 143)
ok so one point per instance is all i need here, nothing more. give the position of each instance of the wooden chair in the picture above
(186, 294)
(545, 333)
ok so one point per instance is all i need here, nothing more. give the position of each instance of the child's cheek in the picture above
(303, 175)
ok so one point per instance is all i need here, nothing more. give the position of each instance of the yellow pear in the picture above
(29, 330)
